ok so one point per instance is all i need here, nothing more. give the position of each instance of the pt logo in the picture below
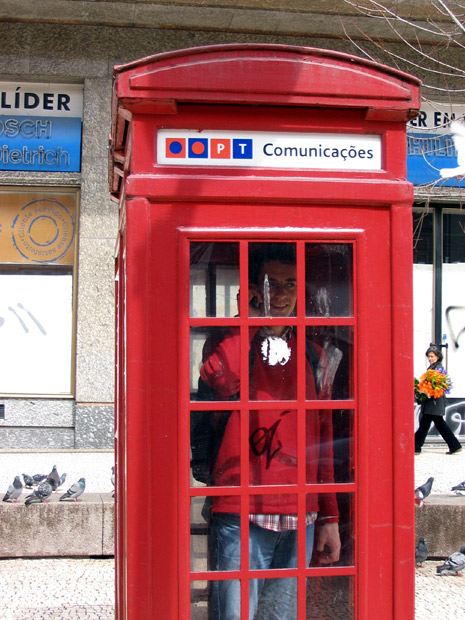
(262, 440)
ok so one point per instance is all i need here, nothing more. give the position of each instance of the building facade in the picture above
(58, 225)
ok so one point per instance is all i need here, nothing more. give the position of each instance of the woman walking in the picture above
(433, 411)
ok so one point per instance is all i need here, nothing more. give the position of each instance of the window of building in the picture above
(37, 262)
(423, 258)
(453, 297)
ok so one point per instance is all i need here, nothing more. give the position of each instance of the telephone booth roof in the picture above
(266, 74)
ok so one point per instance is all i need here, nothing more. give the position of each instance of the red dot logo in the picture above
(198, 148)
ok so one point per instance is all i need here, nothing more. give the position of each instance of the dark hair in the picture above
(266, 252)
(433, 348)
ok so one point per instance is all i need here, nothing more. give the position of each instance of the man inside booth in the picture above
(272, 448)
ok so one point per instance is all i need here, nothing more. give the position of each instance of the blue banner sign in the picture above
(430, 145)
(40, 127)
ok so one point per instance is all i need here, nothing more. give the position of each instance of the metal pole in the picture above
(437, 312)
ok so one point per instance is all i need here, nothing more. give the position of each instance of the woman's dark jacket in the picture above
(434, 406)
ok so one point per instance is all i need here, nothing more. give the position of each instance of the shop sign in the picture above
(40, 126)
(269, 150)
(430, 146)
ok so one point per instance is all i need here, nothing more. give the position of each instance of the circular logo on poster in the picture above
(43, 230)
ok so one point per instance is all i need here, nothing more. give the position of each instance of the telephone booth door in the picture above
(272, 424)
(264, 436)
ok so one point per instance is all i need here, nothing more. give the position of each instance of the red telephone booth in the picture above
(264, 336)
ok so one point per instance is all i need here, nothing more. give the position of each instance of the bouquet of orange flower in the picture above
(434, 383)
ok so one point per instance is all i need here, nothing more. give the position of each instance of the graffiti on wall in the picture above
(455, 418)
(452, 320)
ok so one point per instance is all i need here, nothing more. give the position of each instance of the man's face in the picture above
(283, 287)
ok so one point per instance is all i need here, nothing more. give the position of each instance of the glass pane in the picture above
(423, 241)
(215, 533)
(214, 363)
(272, 280)
(224, 535)
(36, 332)
(330, 506)
(330, 349)
(199, 600)
(214, 279)
(453, 304)
(273, 364)
(330, 597)
(215, 600)
(328, 279)
(453, 230)
(273, 450)
(330, 446)
(274, 598)
(215, 448)
(199, 528)
(273, 532)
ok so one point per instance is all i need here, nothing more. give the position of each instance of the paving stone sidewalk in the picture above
(67, 589)
(71, 589)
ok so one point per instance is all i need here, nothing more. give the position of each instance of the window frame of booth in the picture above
(189, 490)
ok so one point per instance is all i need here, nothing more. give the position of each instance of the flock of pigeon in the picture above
(455, 563)
(42, 487)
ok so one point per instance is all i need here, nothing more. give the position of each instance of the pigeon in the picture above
(62, 481)
(458, 136)
(454, 564)
(74, 491)
(459, 488)
(38, 478)
(28, 481)
(41, 494)
(421, 552)
(54, 479)
(14, 490)
(422, 492)
(113, 478)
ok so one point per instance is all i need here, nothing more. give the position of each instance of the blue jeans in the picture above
(269, 599)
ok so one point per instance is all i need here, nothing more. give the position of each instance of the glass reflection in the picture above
(199, 530)
(333, 368)
(273, 363)
(199, 600)
(330, 597)
(333, 454)
(273, 448)
(328, 276)
(214, 363)
(276, 598)
(272, 280)
(334, 509)
(215, 536)
(212, 463)
(214, 279)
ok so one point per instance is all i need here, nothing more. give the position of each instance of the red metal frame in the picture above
(278, 88)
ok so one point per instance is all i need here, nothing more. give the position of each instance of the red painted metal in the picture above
(267, 88)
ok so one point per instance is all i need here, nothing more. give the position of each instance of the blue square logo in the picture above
(242, 148)
(198, 148)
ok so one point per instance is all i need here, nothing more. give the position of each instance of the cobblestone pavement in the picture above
(438, 596)
(71, 589)
(65, 589)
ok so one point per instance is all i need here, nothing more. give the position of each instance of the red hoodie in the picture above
(273, 433)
